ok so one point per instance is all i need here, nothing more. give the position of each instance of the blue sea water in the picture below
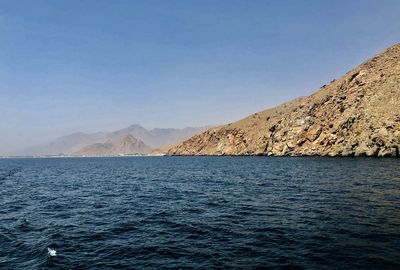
(200, 213)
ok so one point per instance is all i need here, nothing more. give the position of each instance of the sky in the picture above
(97, 65)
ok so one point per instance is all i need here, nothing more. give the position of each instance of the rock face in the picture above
(356, 115)
(123, 145)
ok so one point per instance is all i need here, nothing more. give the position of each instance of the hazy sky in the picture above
(69, 66)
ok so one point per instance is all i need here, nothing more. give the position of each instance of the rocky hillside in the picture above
(123, 145)
(356, 115)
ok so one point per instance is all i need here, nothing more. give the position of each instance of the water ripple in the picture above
(200, 213)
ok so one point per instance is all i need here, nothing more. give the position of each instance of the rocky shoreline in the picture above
(356, 115)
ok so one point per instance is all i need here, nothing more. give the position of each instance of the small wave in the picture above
(9, 173)
(24, 224)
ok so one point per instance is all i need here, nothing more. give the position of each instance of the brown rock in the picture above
(358, 114)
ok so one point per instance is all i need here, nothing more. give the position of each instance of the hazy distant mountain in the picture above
(72, 143)
(62, 145)
(158, 137)
(119, 145)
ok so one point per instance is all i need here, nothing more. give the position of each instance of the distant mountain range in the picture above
(120, 145)
(99, 142)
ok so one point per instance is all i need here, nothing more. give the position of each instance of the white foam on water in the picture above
(52, 252)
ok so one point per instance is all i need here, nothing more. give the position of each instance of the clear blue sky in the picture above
(68, 66)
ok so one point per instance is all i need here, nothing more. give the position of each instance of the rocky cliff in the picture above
(356, 115)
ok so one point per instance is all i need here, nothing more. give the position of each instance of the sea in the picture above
(200, 213)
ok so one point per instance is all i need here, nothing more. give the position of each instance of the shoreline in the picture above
(238, 156)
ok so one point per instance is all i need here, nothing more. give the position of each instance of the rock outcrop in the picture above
(120, 146)
(356, 115)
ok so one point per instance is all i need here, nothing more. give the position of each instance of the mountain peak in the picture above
(125, 144)
(136, 126)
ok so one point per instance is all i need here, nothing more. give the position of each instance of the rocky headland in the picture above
(355, 115)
